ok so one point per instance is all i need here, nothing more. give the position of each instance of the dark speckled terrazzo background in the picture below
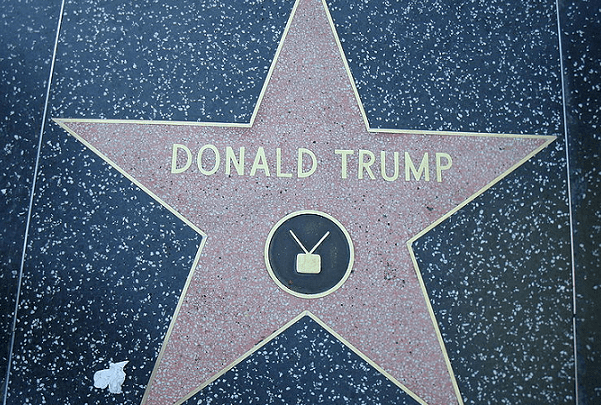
(184, 60)
(478, 66)
(27, 32)
(487, 66)
(108, 270)
(498, 276)
(582, 55)
(304, 355)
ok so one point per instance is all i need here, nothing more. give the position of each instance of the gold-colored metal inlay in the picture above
(308, 262)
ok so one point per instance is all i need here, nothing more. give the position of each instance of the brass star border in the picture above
(67, 123)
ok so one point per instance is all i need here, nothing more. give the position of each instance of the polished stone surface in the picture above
(498, 310)
(232, 302)
(303, 355)
(582, 59)
(479, 66)
(28, 30)
(182, 61)
(110, 267)
(106, 263)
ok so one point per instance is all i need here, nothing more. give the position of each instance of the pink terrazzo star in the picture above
(231, 303)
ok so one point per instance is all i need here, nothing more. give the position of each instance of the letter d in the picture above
(301, 153)
(176, 148)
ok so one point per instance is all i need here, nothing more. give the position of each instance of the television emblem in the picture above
(304, 272)
(308, 263)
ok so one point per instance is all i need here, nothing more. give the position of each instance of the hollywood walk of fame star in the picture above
(309, 108)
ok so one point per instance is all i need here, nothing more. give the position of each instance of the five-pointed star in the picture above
(231, 303)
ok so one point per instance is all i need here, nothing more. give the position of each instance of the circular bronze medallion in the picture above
(309, 254)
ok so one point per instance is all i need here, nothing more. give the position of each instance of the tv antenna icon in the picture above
(308, 263)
